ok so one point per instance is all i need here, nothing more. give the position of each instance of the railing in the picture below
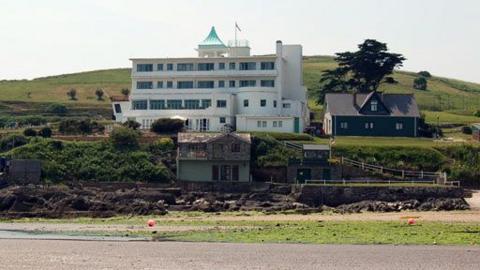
(370, 182)
(193, 155)
(292, 145)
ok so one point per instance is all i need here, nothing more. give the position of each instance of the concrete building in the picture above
(218, 157)
(222, 86)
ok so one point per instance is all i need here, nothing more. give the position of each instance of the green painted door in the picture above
(304, 174)
(297, 125)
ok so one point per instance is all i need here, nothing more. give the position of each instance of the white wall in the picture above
(250, 123)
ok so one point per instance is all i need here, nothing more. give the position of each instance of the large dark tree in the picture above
(361, 71)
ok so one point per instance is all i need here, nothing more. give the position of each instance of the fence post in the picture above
(421, 174)
(403, 174)
(363, 165)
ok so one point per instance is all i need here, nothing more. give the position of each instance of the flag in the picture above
(236, 26)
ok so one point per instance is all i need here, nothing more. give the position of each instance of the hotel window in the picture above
(245, 103)
(206, 103)
(369, 125)
(274, 123)
(139, 104)
(169, 84)
(221, 66)
(232, 66)
(274, 103)
(174, 104)
(280, 123)
(267, 83)
(344, 125)
(160, 84)
(248, 83)
(259, 123)
(159, 67)
(185, 84)
(205, 66)
(144, 85)
(374, 105)
(267, 65)
(221, 103)
(157, 104)
(205, 84)
(235, 147)
(169, 66)
(263, 102)
(144, 67)
(192, 104)
(232, 83)
(221, 84)
(264, 124)
(286, 105)
(399, 126)
(248, 66)
(184, 67)
(222, 120)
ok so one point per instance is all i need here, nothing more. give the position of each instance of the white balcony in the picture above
(204, 74)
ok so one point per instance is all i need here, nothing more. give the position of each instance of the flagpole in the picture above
(236, 45)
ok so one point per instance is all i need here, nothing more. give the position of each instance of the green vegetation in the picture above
(283, 136)
(125, 138)
(166, 125)
(83, 126)
(267, 151)
(420, 83)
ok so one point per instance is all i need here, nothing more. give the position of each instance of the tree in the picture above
(57, 108)
(99, 93)
(124, 138)
(30, 132)
(125, 92)
(132, 124)
(45, 132)
(166, 125)
(425, 74)
(72, 94)
(420, 83)
(361, 71)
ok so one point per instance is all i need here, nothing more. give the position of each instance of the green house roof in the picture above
(212, 40)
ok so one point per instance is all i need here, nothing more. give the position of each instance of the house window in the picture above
(369, 125)
(399, 126)
(169, 84)
(192, 104)
(274, 123)
(169, 66)
(267, 83)
(264, 124)
(174, 104)
(274, 103)
(248, 83)
(206, 103)
(280, 124)
(215, 173)
(225, 173)
(236, 147)
(206, 84)
(221, 103)
(185, 85)
(245, 103)
(232, 83)
(263, 102)
(206, 66)
(221, 84)
(221, 66)
(139, 104)
(118, 108)
(160, 84)
(185, 67)
(144, 67)
(374, 105)
(344, 125)
(235, 173)
(232, 66)
(222, 120)
(159, 67)
(286, 105)
(248, 66)
(267, 65)
(157, 104)
(144, 85)
(259, 123)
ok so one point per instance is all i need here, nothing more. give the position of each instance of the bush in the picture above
(30, 132)
(124, 138)
(284, 136)
(31, 120)
(131, 124)
(161, 146)
(73, 127)
(165, 125)
(45, 132)
(390, 80)
(420, 83)
(467, 130)
(57, 108)
(477, 113)
(9, 142)
(425, 74)
(267, 151)
(72, 94)
(99, 93)
(125, 91)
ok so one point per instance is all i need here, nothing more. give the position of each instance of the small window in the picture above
(144, 67)
(369, 125)
(139, 104)
(248, 66)
(185, 67)
(232, 83)
(206, 103)
(399, 126)
(374, 105)
(169, 66)
(274, 123)
(185, 84)
(245, 103)
(232, 66)
(160, 67)
(221, 66)
(169, 84)
(344, 125)
(160, 84)
(263, 102)
(274, 103)
(267, 83)
(205, 84)
(248, 83)
(222, 120)
(286, 105)
(259, 123)
(221, 84)
(144, 85)
(206, 66)
(280, 123)
(236, 147)
(264, 124)
(221, 103)
(267, 65)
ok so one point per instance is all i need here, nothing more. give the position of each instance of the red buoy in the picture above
(151, 223)
(411, 221)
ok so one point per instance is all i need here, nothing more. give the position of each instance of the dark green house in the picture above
(371, 114)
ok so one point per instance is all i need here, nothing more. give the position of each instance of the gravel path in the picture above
(45, 254)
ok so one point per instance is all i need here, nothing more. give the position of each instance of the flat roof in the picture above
(271, 56)
(324, 147)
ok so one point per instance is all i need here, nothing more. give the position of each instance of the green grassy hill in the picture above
(453, 101)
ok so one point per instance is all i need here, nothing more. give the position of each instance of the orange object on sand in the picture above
(151, 223)
(411, 221)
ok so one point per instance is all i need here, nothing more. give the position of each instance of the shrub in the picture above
(267, 151)
(31, 120)
(425, 74)
(45, 132)
(161, 146)
(132, 124)
(165, 125)
(99, 93)
(57, 108)
(9, 142)
(477, 113)
(125, 91)
(124, 138)
(467, 130)
(420, 83)
(390, 80)
(30, 132)
(284, 136)
(85, 126)
(72, 94)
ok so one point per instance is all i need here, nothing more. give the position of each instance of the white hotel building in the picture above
(224, 85)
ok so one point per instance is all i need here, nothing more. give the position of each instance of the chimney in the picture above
(279, 50)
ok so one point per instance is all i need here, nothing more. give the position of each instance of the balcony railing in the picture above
(194, 155)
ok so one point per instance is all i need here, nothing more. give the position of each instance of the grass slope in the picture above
(453, 101)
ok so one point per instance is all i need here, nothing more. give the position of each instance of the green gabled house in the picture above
(371, 114)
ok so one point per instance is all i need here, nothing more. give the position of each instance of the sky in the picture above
(50, 37)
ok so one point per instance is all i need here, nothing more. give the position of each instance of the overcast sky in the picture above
(49, 37)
